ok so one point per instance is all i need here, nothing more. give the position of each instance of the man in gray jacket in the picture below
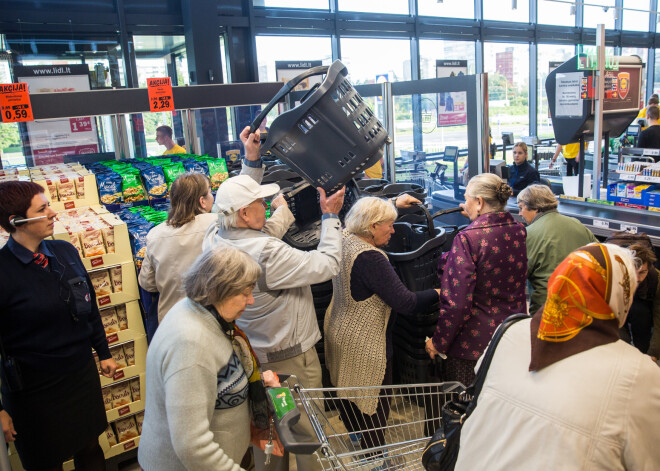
(281, 324)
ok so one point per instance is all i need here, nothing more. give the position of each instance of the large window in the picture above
(549, 57)
(550, 12)
(503, 10)
(431, 50)
(375, 6)
(308, 4)
(374, 60)
(507, 66)
(447, 8)
(636, 15)
(598, 12)
(289, 48)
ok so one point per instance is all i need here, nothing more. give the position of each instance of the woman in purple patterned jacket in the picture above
(483, 278)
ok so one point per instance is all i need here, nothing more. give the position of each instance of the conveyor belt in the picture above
(601, 219)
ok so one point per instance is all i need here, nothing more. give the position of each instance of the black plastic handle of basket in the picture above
(322, 69)
(429, 218)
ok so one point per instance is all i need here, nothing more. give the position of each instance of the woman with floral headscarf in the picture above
(563, 392)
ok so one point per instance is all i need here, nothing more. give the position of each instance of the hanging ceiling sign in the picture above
(15, 103)
(160, 94)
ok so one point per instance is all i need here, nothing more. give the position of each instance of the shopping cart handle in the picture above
(287, 418)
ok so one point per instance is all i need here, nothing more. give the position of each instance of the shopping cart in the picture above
(414, 416)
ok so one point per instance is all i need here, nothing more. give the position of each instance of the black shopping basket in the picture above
(331, 136)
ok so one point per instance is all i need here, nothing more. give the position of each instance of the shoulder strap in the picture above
(475, 388)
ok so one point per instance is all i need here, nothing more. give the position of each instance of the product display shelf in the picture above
(50, 182)
(119, 337)
(122, 246)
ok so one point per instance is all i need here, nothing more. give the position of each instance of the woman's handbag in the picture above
(442, 450)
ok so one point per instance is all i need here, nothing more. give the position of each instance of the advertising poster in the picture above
(452, 106)
(286, 70)
(622, 89)
(50, 140)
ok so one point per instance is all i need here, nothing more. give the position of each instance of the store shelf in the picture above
(135, 326)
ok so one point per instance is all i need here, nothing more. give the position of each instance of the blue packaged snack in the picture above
(193, 166)
(138, 232)
(154, 182)
(110, 191)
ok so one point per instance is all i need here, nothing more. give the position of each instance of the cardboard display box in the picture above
(91, 192)
(130, 291)
(122, 253)
(140, 344)
(135, 326)
(128, 409)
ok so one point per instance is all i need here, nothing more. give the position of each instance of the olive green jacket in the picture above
(550, 238)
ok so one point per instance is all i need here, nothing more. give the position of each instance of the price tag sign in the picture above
(601, 223)
(15, 103)
(628, 228)
(160, 94)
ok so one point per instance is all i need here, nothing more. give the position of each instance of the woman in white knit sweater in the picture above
(197, 413)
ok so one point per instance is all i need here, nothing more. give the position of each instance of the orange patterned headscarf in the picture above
(589, 295)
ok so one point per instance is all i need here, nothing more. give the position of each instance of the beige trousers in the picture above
(307, 368)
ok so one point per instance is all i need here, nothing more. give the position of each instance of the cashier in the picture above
(649, 138)
(52, 407)
(164, 138)
(521, 173)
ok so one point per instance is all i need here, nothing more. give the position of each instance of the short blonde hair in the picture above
(491, 188)
(218, 274)
(522, 145)
(538, 198)
(367, 211)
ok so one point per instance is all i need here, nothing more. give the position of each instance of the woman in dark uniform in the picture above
(52, 406)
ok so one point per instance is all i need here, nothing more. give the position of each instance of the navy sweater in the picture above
(521, 176)
(38, 326)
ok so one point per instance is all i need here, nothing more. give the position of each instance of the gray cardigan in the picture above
(197, 415)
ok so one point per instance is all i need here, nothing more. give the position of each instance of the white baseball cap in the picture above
(237, 192)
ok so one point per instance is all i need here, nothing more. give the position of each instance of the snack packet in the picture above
(101, 282)
(115, 278)
(121, 394)
(109, 320)
(126, 429)
(122, 318)
(217, 172)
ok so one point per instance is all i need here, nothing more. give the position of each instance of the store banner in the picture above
(452, 106)
(51, 140)
(286, 70)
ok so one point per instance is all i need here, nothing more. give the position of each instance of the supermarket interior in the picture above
(337, 204)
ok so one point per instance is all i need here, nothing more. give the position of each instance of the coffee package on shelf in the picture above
(115, 278)
(126, 429)
(119, 357)
(101, 282)
(92, 243)
(122, 317)
(135, 389)
(110, 435)
(107, 397)
(129, 353)
(121, 394)
(139, 419)
(109, 320)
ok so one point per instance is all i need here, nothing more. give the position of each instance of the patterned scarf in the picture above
(589, 295)
(256, 387)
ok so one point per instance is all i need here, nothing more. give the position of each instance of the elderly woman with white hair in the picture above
(202, 375)
(562, 391)
(358, 324)
(550, 238)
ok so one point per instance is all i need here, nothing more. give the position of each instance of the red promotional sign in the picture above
(624, 84)
(80, 124)
(15, 103)
(160, 94)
